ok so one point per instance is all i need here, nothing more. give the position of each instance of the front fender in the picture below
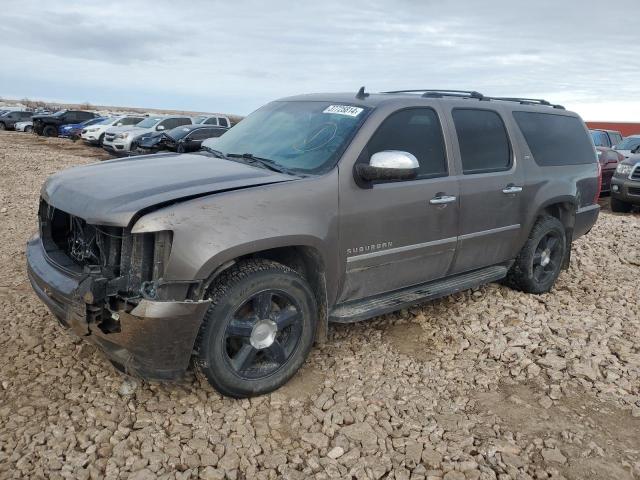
(213, 230)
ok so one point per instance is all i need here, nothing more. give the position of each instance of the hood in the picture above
(113, 192)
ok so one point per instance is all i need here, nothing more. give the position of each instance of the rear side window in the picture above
(417, 131)
(483, 140)
(616, 138)
(223, 122)
(130, 120)
(176, 122)
(555, 139)
(212, 121)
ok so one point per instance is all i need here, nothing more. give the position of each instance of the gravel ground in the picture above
(484, 384)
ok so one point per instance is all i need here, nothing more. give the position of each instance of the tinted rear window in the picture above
(484, 145)
(555, 139)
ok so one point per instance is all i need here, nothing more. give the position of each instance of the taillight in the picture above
(598, 190)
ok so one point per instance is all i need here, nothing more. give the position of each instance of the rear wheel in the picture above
(50, 131)
(2, 126)
(538, 265)
(619, 206)
(258, 330)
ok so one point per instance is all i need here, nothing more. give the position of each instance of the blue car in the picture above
(73, 130)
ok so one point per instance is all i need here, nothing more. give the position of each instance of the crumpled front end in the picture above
(106, 284)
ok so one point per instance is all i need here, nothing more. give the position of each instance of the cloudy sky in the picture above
(234, 55)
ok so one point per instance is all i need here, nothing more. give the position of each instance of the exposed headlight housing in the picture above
(92, 129)
(624, 169)
(122, 135)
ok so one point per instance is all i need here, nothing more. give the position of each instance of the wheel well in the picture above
(308, 262)
(563, 211)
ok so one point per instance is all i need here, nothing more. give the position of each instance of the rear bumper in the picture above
(626, 190)
(586, 218)
(156, 338)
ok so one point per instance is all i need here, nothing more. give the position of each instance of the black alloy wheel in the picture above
(258, 329)
(538, 265)
(262, 334)
(547, 258)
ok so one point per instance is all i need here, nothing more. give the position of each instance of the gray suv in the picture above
(314, 209)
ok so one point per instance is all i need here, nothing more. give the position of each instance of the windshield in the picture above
(92, 121)
(148, 122)
(59, 114)
(199, 119)
(307, 137)
(628, 143)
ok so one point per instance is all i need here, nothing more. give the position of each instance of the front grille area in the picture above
(110, 252)
(634, 191)
(635, 173)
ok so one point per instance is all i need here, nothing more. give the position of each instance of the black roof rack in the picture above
(529, 101)
(438, 93)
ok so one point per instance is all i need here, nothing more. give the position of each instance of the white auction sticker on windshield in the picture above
(343, 110)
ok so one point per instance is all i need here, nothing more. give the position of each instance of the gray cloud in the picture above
(215, 55)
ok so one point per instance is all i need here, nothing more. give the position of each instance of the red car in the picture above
(609, 159)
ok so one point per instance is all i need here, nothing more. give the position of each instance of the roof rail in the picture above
(528, 101)
(438, 93)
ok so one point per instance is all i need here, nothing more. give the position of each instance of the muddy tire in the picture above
(258, 330)
(180, 148)
(619, 206)
(2, 126)
(50, 131)
(101, 140)
(538, 265)
(28, 129)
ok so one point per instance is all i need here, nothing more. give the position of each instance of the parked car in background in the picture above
(24, 126)
(48, 125)
(94, 134)
(605, 138)
(625, 185)
(187, 138)
(628, 146)
(609, 160)
(317, 208)
(215, 120)
(121, 140)
(9, 118)
(74, 130)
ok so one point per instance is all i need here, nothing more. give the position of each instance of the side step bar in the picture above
(358, 310)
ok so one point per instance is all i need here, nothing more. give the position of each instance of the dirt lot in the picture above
(484, 384)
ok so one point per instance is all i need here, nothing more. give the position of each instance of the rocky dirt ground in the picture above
(484, 384)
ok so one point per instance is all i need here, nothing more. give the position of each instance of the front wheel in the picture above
(258, 330)
(538, 265)
(618, 206)
(180, 148)
(50, 131)
(2, 126)
(101, 140)
(28, 129)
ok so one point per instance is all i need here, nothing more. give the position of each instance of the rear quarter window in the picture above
(555, 140)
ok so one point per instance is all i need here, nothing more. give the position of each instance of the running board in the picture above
(357, 310)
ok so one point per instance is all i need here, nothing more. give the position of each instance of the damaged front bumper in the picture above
(153, 340)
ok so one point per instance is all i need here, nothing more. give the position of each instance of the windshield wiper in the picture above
(214, 152)
(264, 162)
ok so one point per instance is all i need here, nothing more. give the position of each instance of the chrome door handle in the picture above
(442, 199)
(511, 189)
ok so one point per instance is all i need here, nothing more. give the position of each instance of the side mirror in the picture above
(389, 165)
(160, 127)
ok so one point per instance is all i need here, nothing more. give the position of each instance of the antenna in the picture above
(361, 94)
